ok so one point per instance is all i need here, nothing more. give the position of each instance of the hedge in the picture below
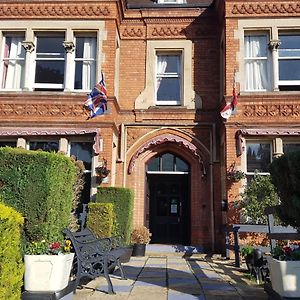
(122, 199)
(40, 186)
(101, 219)
(285, 173)
(11, 265)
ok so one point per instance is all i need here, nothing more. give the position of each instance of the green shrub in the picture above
(122, 199)
(40, 186)
(285, 174)
(258, 194)
(11, 265)
(101, 219)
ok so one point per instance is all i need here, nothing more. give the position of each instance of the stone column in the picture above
(273, 46)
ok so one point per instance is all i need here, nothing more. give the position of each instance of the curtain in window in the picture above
(256, 63)
(13, 66)
(161, 68)
(88, 68)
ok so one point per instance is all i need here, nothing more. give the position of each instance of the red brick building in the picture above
(168, 67)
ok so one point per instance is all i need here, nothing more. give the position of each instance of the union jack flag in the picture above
(96, 100)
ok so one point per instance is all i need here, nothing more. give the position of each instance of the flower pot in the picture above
(285, 277)
(139, 250)
(126, 257)
(47, 273)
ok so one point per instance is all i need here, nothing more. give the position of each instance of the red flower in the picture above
(287, 250)
(55, 245)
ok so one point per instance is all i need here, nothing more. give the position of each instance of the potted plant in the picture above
(47, 266)
(234, 175)
(140, 236)
(247, 253)
(102, 171)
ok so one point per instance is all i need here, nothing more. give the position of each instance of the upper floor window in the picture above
(85, 62)
(271, 60)
(52, 61)
(256, 63)
(289, 62)
(168, 79)
(290, 147)
(12, 62)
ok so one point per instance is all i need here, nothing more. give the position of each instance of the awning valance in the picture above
(283, 131)
(50, 131)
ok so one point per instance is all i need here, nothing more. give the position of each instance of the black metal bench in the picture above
(94, 257)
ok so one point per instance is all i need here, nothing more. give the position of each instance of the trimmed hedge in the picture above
(11, 265)
(122, 199)
(101, 219)
(285, 173)
(40, 186)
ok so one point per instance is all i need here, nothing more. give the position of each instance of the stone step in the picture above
(176, 249)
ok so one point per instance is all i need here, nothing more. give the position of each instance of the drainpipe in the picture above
(212, 213)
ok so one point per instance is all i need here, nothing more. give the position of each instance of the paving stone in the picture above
(219, 287)
(174, 295)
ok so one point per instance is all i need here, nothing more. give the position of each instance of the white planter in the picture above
(47, 273)
(285, 277)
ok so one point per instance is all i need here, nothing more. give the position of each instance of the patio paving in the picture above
(176, 277)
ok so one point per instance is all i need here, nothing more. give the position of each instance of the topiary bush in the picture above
(258, 194)
(122, 199)
(11, 265)
(285, 173)
(101, 219)
(40, 185)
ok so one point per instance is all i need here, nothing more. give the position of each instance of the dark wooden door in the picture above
(169, 199)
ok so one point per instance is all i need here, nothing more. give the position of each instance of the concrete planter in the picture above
(47, 273)
(285, 277)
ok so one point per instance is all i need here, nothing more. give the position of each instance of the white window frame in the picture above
(4, 36)
(48, 86)
(275, 27)
(287, 82)
(258, 58)
(169, 75)
(69, 28)
(93, 60)
(253, 141)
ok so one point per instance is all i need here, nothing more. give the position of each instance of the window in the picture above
(256, 63)
(258, 157)
(49, 146)
(50, 62)
(85, 62)
(13, 60)
(289, 62)
(290, 147)
(168, 79)
(61, 59)
(168, 162)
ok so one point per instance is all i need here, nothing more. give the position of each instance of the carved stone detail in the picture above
(250, 9)
(28, 46)
(274, 44)
(132, 32)
(56, 11)
(273, 110)
(38, 110)
(69, 46)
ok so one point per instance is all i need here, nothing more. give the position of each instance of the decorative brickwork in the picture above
(278, 110)
(53, 11)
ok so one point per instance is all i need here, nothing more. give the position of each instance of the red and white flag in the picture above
(229, 108)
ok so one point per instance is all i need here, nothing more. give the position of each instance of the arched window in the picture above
(167, 162)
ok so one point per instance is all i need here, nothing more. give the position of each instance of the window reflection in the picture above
(168, 162)
(258, 157)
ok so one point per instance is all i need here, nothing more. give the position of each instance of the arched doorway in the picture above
(168, 178)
